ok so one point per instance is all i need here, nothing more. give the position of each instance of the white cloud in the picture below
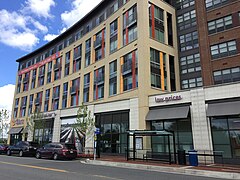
(49, 37)
(6, 96)
(79, 9)
(39, 26)
(19, 31)
(39, 7)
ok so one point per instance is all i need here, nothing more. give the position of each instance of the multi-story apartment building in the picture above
(111, 60)
(139, 64)
(209, 42)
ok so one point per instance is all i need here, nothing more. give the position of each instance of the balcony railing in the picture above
(114, 33)
(86, 85)
(55, 95)
(127, 67)
(23, 105)
(65, 93)
(112, 75)
(37, 101)
(100, 79)
(98, 43)
(41, 73)
(77, 56)
(132, 19)
(74, 89)
(26, 79)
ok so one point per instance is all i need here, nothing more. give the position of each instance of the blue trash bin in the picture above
(193, 158)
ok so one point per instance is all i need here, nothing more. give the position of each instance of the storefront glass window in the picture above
(43, 131)
(113, 138)
(182, 131)
(226, 136)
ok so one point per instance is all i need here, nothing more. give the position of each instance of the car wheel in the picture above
(9, 153)
(55, 156)
(21, 153)
(38, 155)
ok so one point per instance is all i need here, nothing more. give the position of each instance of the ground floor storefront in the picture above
(204, 119)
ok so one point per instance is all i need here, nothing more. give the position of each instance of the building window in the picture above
(226, 135)
(158, 69)
(77, 59)
(79, 35)
(99, 78)
(191, 83)
(30, 105)
(113, 127)
(182, 130)
(187, 20)
(41, 76)
(68, 41)
(190, 63)
(156, 23)
(99, 45)
(130, 71)
(86, 87)
(46, 103)
(88, 52)
(224, 49)
(130, 25)
(226, 75)
(191, 59)
(55, 98)
(16, 108)
(26, 81)
(33, 80)
(210, 4)
(67, 63)
(220, 24)
(38, 102)
(113, 78)
(65, 95)
(58, 69)
(49, 72)
(113, 36)
(43, 131)
(182, 4)
(23, 106)
(75, 92)
(189, 41)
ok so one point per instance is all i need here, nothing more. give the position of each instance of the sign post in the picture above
(96, 132)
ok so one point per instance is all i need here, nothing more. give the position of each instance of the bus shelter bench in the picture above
(155, 156)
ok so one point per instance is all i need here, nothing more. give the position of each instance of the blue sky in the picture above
(26, 25)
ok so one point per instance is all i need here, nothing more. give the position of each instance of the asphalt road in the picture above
(27, 168)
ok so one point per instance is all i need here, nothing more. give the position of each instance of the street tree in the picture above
(4, 123)
(34, 121)
(85, 122)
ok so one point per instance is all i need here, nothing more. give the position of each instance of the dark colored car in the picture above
(23, 148)
(57, 151)
(3, 149)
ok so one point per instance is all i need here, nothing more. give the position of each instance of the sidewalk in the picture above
(213, 170)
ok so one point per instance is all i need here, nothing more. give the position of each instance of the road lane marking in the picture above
(35, 167)
(106, 177)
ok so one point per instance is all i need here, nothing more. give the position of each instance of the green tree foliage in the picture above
(84, 121)
(35, 121)
(4, 123)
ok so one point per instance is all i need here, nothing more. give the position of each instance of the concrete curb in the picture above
(176, 170)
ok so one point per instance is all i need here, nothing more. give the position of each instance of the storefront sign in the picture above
(49, 115)
(17, 122)
(35, 66)
(168, 98)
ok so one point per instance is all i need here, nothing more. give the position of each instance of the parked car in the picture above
(3, 149)
(57, 151)
(23, 148)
